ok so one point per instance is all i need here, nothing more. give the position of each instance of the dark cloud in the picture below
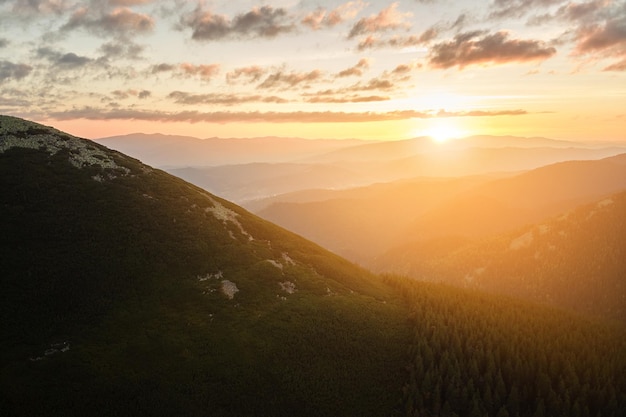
(466, 49)
(124, 94)
(356, 70)
(91, 113)
(205, 72)
(163, 68)
(119, 22)
(609, 34)
(606, 39)
(322, 17)
(67, 60)
(4, 42)
(264, 22)
(71, 60)
(181, 97)
(388, 19)
(126, 50)
(248, 75)
(9, 70)
(289, 79)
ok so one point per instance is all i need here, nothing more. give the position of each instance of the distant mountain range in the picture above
(127, 291)
(246, 170)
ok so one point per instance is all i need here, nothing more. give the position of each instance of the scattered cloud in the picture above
(10, 70)
(502, 9)
(290, 79)
(468, 49)
(121, 21)
(163, 67)
(604, 40)
(68, 60)
(247, 75)
(356, 70)
(388, 19)
(41, 6)
(124, 94)
(424, 38)
(181, 97)
(322, 98)
(91, 113)
(122, 50)
(321, 17)
(264, 22)
(204, 72)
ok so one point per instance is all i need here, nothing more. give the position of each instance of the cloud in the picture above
(425, 37)
(119, 22)
(321, 17)
(41, 6)
(289, 79)
(124, 94)
(249, 74)
(356, 70)
(465, 49)
(4, 43)
(388, 19)
(9, 70)
(129, 2)
(502, 9)
(126, 49)
(204, 72)
(604, 40)
(163, 67)
(346, 99)
(601, 37)
(181, 97)
(91, 113)
(67, 60)
(264, 22)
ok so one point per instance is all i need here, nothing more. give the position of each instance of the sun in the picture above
(442, 131)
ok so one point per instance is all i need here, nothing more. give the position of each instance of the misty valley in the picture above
(273, 276)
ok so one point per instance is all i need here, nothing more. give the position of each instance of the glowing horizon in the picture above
(338, 69)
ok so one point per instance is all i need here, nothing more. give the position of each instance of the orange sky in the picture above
(358, 69)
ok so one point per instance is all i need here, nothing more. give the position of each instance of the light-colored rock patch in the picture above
(288, 286)
(275, 263)
(218, 275)
(522, 242)
(226, 215)
(288, 259)
(605, 202)
(229, 289)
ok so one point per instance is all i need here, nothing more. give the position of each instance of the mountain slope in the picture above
(126, 290)
(575, 261)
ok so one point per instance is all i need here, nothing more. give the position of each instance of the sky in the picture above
(317, 68)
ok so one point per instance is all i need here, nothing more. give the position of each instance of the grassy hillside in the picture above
(125, 291)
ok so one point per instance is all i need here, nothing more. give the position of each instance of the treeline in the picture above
(481, 355)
